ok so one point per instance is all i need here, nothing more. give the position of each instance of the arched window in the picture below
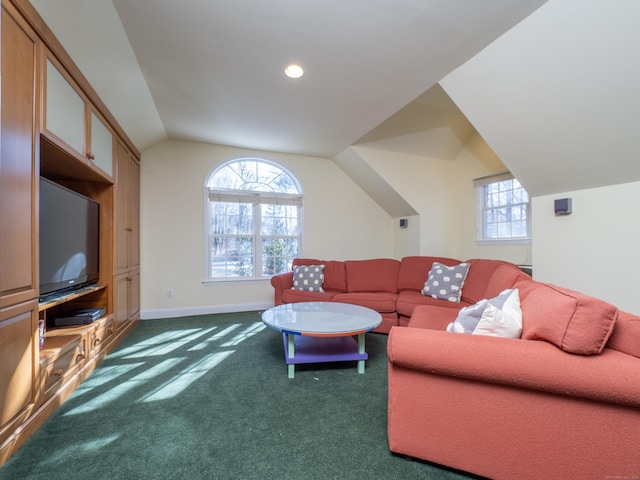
(254, 220)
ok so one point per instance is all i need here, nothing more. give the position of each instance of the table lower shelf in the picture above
(323, 349)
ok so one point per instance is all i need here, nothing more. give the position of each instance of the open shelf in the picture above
(68, 296)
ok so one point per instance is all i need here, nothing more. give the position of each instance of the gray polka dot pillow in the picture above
(446, 282)
(308, 278)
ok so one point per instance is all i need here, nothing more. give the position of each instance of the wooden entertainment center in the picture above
(53, 124)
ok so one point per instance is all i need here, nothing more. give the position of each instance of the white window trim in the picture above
(247, 196)
(480, 240)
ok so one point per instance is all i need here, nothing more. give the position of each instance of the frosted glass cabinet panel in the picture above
(101, 145)
(65, 110)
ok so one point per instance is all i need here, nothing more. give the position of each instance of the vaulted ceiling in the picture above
(551, 86)
(214, 70)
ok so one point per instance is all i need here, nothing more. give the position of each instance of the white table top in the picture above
(321, 318)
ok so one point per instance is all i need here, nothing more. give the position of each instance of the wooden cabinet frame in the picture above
(35, 382)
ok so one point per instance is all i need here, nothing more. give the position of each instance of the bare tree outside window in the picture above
(254, 217)
(503, 210)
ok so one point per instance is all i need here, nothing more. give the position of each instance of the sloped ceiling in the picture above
(557, 97)
(554, 95)
(431, 125)
(212, 71)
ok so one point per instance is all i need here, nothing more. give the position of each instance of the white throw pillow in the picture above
(500, 316)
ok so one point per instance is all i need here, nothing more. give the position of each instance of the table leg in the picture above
(291, 350)
(361, 351)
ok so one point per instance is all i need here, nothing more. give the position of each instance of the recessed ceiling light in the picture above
(294, 71)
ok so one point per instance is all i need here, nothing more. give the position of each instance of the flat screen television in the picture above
(69, 239)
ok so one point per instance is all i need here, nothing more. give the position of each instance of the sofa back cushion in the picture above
(574, 322)
(626, 334)
(377, 275)
(415, 270)
(335, 277)
(487, 278)
(504, 277)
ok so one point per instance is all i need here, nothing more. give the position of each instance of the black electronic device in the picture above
(69, 239)
(562, 206)
(81, 316)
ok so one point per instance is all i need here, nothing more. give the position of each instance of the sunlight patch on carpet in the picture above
(186, 377)
(104, 375)
(69, 451)
(166, 337)
(168, 347)
(217, 336)
(119, 390)
(248, 332)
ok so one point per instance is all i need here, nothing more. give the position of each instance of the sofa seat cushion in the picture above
(409, 299)
(380, 302)
(434, 317)
(377, 275)
(415, 270)
(574, 322)
(389, 320)
(294, 296)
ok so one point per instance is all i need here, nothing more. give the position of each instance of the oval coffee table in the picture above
(315, 332)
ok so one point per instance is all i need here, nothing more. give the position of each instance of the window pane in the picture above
(505, 206)
(237, 226)
(231, 218)
(255, 175)
(278, 255)
(279, 220)
(231, 256)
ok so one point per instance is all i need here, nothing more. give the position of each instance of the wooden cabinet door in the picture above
(134, 214)
(127, 213)
(18, 278)
(64, 110)
(134, 295)
(122, 221)
(126, 299)
(100, 145)
(120, 301)
(18, 364)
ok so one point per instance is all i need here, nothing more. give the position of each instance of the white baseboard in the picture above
(152, 314)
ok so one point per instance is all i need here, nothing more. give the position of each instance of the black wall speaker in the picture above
(562, 206)
(404, 222)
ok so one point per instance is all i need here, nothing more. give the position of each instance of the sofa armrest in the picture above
(610, 377)
(280, 283)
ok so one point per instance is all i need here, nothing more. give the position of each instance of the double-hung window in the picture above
(253, 222)
(504, 210)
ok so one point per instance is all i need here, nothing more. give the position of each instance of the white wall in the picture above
(556, 97)
(340, 222)
(442, 192)
(476, 160)
(426, 183)
(593, 250)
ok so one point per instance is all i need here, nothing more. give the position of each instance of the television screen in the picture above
(69, 239)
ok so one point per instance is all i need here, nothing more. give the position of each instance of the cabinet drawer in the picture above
(64, 366)
(102, 335)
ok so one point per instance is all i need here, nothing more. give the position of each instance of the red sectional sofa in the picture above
(562, 401)
(392, 287)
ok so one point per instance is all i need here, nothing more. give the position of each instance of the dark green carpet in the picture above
(208, 398)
